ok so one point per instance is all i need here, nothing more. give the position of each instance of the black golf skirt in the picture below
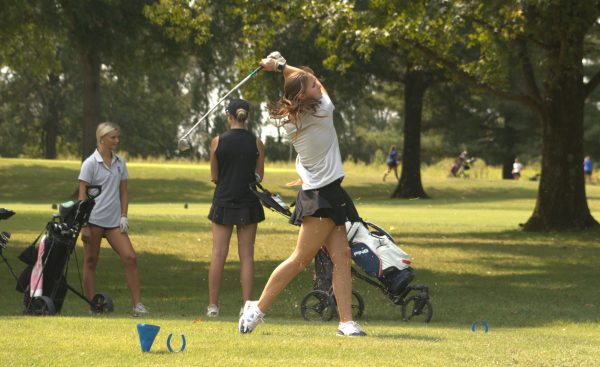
(330, 201)
(223, 215)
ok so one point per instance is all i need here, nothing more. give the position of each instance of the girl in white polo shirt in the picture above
(322, 206)
(109, 216)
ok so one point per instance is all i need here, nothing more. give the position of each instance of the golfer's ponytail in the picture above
(241, 115)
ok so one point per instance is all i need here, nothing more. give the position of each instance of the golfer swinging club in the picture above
(322, 206)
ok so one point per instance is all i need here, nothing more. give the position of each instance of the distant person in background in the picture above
(587, 169)
(458, 163)
(517, 167)
(392, 163)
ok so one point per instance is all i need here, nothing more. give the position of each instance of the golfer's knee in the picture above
(341, 256)
(300, 263)
(218, 254)
(90, 261)
(129, 259)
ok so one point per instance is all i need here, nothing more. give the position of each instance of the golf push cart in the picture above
(379, 262)
(44, 281)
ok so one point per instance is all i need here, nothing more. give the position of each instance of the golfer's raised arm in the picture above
(272, 64)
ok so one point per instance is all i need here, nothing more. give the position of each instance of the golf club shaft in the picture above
(221, 100)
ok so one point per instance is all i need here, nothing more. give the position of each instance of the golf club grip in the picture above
(254, 72)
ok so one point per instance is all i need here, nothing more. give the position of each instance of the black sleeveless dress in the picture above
(233, 202)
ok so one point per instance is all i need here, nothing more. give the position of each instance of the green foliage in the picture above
(181, 20)
(277, 150)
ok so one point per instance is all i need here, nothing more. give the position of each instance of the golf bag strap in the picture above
(38, 237)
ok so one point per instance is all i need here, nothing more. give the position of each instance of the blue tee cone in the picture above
(147, 334)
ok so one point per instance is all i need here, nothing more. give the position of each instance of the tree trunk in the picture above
(53, 117)
(561, 202)
(410, 185)
(90, 61)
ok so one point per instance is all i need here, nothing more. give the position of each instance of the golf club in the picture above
(184, 143)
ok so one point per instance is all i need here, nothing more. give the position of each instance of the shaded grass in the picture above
(537, 291)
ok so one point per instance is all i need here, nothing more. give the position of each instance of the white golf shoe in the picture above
(212, 311)
(350, 328)
(140, 310)
(251, 317)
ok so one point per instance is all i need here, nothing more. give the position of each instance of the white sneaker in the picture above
(350, 328)
(251, 316)
(140, 310)
(212, 311)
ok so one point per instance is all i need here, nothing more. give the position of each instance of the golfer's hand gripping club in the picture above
(274, 62)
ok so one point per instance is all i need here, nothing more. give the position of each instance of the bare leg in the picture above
(396, 172)
(246, 236)
(339, 251)
(91, 237)
(221, 237)
(313, 233)
(386, 173)
(122, 245)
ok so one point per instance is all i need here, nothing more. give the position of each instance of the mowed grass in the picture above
(537, 291)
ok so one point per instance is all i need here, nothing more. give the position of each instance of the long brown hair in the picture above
(293, 104)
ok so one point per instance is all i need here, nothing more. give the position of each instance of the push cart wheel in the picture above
(417, 307)
(317, 305)
(102, 303)
(41, 306)
(358, 305)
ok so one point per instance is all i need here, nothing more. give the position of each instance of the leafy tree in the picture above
(474, 42)
(115, 48)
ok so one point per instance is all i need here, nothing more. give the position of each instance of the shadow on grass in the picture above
(163, 190)
(43, 184)
(589, 236)
(38, 184)
(537, 287)
(445, 195)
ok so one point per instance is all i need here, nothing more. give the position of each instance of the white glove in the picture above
(124, 225)
(279, 60)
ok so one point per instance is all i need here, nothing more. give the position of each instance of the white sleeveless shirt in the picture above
(318, 162)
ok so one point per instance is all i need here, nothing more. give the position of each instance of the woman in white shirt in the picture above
(109, 216)
(517, 167)
(322, 206)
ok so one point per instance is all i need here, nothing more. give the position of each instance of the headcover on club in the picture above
(270, 200)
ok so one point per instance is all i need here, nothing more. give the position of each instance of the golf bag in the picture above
(376, 253)
(44, 281)
(47, 263)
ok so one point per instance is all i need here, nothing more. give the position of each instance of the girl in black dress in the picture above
(236, 159)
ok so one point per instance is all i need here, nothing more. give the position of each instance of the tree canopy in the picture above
(501, 78)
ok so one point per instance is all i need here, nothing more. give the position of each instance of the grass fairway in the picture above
(537, 291)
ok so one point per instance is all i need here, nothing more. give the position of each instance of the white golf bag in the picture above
(376, 252)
